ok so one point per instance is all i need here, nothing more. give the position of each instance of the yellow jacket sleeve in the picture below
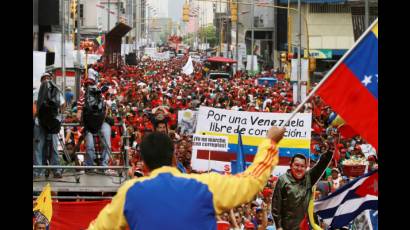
(230, 191)
(112, 217)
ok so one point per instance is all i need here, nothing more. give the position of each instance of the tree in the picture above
(208, 34)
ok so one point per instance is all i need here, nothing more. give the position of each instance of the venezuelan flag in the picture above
(351, 87)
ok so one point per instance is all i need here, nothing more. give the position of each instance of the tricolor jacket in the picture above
(168, 199)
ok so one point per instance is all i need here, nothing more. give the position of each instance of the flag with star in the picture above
(346, 203)
(351, 89)
(43, 210)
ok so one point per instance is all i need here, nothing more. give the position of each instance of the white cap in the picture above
(179, 97)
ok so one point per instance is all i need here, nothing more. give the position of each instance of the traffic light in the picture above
(312, 64)
(185, 13)
(283, 57)
(234, 12)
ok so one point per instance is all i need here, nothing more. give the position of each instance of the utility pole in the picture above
(78, 32)
(274, 38)
(108, 16)
(366, 14)
(68, 18)
(228, 30)
(237, 36)
(221, 27)
(63, 44)
(299, 99)
(118, 11)
(252, 39)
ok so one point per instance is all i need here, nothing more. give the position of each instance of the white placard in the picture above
(69, 55)
(187, 121)
(212, 143)
(39, 67)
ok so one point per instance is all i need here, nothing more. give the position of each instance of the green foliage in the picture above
(210, 33)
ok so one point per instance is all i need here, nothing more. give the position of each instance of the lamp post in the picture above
(252, 32)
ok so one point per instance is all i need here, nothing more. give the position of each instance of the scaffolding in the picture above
(75, 180)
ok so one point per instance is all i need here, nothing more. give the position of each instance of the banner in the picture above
(253, 127)
(75, 215)
(187, 120)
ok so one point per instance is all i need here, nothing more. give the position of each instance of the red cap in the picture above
(267, 192)
(249, 224)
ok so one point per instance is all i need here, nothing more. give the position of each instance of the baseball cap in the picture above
(249, 224)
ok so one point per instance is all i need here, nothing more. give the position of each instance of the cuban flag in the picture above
(344, 205)
(351, 88)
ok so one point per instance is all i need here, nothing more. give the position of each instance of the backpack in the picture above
(48, 105)
(94, 109)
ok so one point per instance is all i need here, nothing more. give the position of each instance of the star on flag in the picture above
(367, 80)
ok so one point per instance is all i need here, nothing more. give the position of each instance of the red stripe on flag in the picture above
(221, 156)
(351, 100)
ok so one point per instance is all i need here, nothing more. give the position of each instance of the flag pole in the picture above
(330, 72)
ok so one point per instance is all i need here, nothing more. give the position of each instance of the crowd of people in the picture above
(148, 96)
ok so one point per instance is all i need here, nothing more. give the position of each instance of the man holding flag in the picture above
(351, 89)
(294, 189)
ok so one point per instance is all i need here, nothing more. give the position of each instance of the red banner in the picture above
(75, 215)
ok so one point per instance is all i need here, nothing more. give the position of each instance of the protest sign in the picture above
(187, 121)
(39, 67)
(253, 126)
(215, 143)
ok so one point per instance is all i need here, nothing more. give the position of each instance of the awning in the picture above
(220, 59)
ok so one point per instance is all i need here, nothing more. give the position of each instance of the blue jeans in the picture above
(105, 132)
(40, 148)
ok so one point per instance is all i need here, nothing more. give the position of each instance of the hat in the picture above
(179, 98)
(249, 224)
(45, 75)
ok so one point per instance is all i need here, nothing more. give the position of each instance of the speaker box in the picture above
(50, 58)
